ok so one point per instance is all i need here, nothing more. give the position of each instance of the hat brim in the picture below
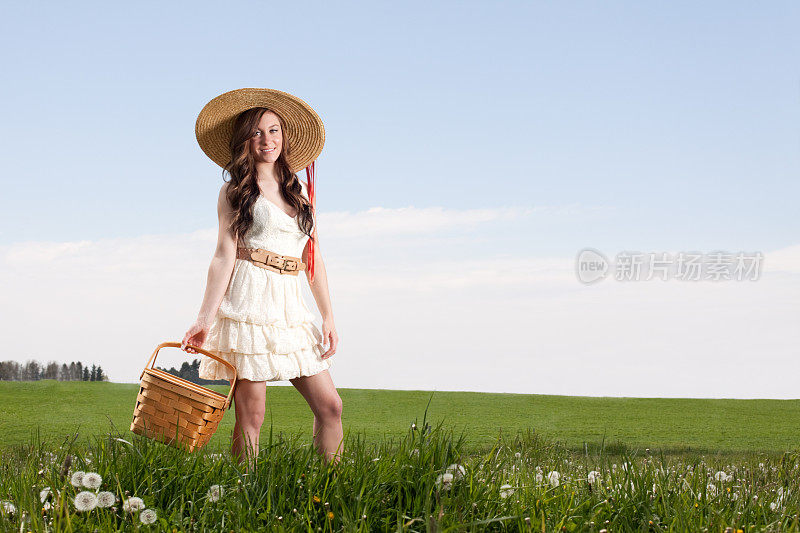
(302, 125)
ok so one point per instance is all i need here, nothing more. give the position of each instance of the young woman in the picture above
(253, 313)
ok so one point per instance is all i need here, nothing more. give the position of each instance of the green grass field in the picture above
(480, 462)
(59, 409)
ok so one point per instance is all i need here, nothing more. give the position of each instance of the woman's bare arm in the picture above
(319, 288)
(219, 275)
(221, 268)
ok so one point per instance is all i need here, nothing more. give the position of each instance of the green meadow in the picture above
(413, 461)
(59, 409)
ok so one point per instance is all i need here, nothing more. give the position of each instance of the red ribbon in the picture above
(310, 179)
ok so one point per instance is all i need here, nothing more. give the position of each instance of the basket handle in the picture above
(151, 363)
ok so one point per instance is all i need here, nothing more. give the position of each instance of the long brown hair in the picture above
(243, 190)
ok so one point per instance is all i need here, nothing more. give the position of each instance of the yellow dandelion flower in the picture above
(695, 504)
(316, 498)
(330, 515)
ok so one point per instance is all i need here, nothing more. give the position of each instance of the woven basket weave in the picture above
(176, 411)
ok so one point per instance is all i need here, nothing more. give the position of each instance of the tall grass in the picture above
(424, 481)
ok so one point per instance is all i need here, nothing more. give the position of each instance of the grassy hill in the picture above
(59, 409)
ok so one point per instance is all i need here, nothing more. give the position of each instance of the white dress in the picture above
(263, 326)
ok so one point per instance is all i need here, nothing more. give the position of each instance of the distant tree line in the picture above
(191, 372)
(34, 371)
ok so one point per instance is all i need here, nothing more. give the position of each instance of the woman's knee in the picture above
(250, 415)
(252, 418)
(331, 407)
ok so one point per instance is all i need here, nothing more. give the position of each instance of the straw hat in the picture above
(302, 125)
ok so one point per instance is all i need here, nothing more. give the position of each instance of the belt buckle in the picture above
(290, 264)
(277, 261)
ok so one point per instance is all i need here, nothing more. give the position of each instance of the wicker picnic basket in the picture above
(175, 411)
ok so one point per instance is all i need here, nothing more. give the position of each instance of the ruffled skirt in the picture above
(264, 329)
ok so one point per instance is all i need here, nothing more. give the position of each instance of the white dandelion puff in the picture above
(8, 507)
(517, 455)
(552, 477)
(722, 476)
(457, 470)
(44, 494)
(506, 491)
(92, 480)
(148, 516)
(106, 499)
(133, 504)
(593, 476)
(711, 489)
(539, 477)
(215, 492)
(85, 501)
(77, 479)
(444, 481)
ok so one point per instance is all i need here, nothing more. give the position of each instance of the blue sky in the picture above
(620, 125)
(683, 117)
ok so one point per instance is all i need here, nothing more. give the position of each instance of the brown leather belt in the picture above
(282, 264)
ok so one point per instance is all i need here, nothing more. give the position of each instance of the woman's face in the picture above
(267, 141)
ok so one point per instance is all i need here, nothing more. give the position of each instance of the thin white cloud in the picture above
(783, 260)
(382, 221)
(445, 321)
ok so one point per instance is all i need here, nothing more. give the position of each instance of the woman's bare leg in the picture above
(325, 403)
(250, 399)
